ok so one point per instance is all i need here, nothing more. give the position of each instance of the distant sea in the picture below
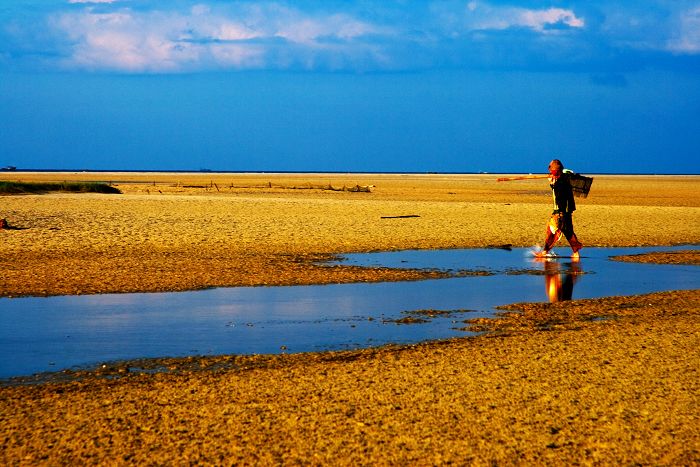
(208, 171)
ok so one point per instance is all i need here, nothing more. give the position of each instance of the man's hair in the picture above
(557, 163)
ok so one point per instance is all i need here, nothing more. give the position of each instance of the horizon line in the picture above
(11, 169)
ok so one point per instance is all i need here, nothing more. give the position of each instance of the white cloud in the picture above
(687, 37)
(238, 56)
(540, 19)
(310, 30)
(484, 17)
(119, 41)
(203, 37)
(193, 35)
(234, 32)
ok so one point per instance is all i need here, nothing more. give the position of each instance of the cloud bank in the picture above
(147, 36)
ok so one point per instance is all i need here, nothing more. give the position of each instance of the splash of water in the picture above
(536, 252)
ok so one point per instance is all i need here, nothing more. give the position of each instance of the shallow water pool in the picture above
(54, 333)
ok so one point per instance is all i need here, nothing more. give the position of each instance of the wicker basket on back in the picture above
(581, 185)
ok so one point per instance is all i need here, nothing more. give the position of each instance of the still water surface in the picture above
(49, 334)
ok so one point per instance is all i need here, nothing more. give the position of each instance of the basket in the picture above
(580, 185)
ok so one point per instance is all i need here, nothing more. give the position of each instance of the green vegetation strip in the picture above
(46, 187)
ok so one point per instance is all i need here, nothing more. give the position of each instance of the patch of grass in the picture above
(14, 188)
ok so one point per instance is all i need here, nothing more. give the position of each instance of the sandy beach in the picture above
(546, 384)
(189, 231)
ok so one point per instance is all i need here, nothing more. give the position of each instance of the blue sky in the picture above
(423, 86)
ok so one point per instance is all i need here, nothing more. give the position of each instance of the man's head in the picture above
(556, 168)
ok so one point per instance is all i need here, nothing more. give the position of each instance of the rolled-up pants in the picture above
(561, 223)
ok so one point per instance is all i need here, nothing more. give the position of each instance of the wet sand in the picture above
(546, 384)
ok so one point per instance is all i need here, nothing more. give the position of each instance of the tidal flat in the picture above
(612, 380)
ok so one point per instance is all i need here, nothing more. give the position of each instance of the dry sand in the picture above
(180, 231)
(549, 385)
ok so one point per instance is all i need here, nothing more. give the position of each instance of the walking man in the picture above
(561, 221)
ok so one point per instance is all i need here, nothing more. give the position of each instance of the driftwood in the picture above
(353, 189)
(4, 225)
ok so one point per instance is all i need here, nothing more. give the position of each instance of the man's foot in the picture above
(575, 244)
(544, 254)
(576, 249)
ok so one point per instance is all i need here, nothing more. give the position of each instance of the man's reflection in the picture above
(559, 279)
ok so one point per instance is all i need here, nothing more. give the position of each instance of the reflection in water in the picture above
(559, 278)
